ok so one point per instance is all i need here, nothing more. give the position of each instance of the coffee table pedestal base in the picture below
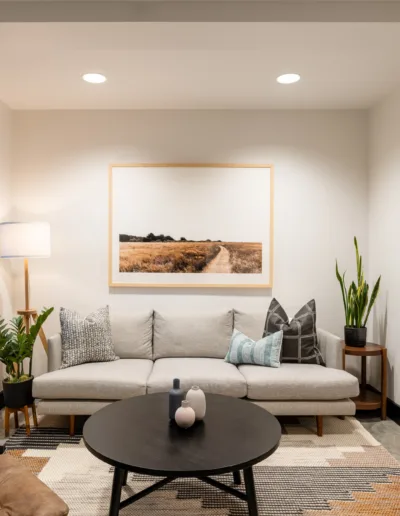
(120, 479)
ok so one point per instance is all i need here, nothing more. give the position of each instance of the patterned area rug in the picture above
(344, 473)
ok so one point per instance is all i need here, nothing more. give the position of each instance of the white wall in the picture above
(5, 208)
(384, 232)
(60, 174)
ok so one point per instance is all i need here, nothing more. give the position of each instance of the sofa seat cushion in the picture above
(213, 375)
(96, 381)
(298, 382)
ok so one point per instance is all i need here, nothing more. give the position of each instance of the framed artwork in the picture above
(191, 225)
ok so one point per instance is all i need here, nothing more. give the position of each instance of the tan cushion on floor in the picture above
(211, 374)
(298, 382)
(97, 381)
(23, 494)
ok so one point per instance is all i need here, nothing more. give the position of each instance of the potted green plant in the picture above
(357, 303)
(16, 345)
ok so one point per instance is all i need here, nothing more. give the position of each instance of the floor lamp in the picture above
(26, 240)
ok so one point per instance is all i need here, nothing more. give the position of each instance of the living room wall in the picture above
(5, 207)
(60, 168)
(384, 243)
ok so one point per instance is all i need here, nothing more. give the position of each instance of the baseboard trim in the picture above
(393, 410)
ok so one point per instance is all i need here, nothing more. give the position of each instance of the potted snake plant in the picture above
(16, 346)
(358, 302)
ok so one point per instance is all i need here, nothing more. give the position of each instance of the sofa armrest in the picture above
(54, 357)
(331, 348)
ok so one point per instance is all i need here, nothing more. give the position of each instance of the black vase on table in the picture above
(355, 337)
(175, 398)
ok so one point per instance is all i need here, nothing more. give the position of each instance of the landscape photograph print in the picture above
(162, 253)
(190, 225)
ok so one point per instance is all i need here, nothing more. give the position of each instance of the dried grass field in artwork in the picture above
(191, 257)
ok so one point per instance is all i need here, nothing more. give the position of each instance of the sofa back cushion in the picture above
(192, 335)
(132, 334)
(250, 323)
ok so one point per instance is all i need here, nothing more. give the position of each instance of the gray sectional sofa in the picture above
(156, 347)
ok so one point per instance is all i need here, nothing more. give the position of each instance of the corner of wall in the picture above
(384, 248)
(6, 287)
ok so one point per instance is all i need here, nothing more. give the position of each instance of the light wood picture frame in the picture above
(191, 225)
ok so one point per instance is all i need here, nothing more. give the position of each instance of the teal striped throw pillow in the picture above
(264, 352)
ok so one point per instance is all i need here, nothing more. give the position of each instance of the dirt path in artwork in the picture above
(221, 263)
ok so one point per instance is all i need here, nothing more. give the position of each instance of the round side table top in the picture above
(136, 435)
(369, 349)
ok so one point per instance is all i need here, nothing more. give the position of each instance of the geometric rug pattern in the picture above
(344, 473)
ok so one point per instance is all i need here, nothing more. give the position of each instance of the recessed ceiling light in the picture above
(94, 78)
(288, 78)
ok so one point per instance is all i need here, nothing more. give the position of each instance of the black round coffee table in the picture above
(136, 435)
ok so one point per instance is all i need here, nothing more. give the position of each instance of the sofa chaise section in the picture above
(300, 389)
(298, 382)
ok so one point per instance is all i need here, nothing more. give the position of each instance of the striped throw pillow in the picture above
(264, 352)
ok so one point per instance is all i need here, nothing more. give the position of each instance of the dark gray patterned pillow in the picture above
(86, 339)
(299, 335)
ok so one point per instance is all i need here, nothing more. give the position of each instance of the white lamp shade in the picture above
(24, 239)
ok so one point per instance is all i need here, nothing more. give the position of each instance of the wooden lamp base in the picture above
(29, 315)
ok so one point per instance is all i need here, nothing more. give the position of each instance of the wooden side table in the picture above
(369, 399)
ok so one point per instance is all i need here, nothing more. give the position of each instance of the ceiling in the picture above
(197, 65)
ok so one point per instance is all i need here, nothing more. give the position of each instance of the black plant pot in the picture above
(356, 337)
(17, 395)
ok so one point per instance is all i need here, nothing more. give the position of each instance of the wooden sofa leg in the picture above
(27, 424)
(71, 426)
(342, 417)
(320, 426)
(6, 421)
